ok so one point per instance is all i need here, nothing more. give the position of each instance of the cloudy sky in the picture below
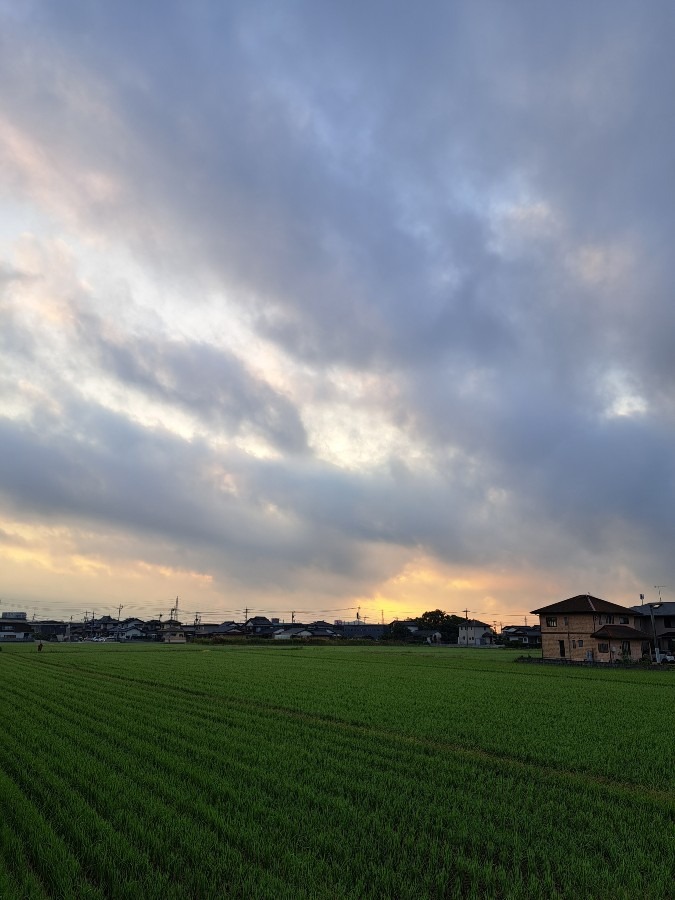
(323, 305)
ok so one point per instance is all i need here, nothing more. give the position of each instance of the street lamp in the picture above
(652, 607)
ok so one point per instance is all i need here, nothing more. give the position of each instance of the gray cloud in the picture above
(211, 383)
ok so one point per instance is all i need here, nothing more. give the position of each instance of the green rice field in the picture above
(331, 772)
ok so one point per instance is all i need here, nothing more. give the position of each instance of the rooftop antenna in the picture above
(658, 587)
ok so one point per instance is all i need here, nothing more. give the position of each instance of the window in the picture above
(551, 621)
(623, 620)
(581, 643)
(603, 648)
(625, 647)
(566, 621)
(609, 620)
(574, 645)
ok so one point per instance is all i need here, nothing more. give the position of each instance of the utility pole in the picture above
(119, 612)
(652, 607)
(293, 617)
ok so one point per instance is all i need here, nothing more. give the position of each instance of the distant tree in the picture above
(398, 630)
(434, 619)
(448, 625)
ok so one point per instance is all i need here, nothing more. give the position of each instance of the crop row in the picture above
(525, 712)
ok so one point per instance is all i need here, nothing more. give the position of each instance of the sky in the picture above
(321, 307)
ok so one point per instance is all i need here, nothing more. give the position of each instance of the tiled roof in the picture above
(665, 609)
(620, 633)
(582, 603)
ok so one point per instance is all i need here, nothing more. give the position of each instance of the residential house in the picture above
(130, 633)
(319, 630)
(230, 629)
(291, 633)
(522, 635)
(173, 634)
(588, 629)
(206, 629)
(473, 633)
(658, 618)
(105, 626)
(261, 626)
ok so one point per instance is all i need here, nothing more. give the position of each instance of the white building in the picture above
(473, 633)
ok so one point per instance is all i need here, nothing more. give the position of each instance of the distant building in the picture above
(173, 635)
(663, 624)
(357, 630)
(473, 633)
(524, 635)
(13, 630)
(261, 626)
(51, 630)
(130, 633)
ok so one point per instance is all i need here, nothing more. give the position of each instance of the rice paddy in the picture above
(331, 772)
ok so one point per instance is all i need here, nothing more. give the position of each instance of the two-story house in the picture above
(473, 633)
(588, 629)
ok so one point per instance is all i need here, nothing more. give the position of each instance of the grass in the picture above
(329, 772)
